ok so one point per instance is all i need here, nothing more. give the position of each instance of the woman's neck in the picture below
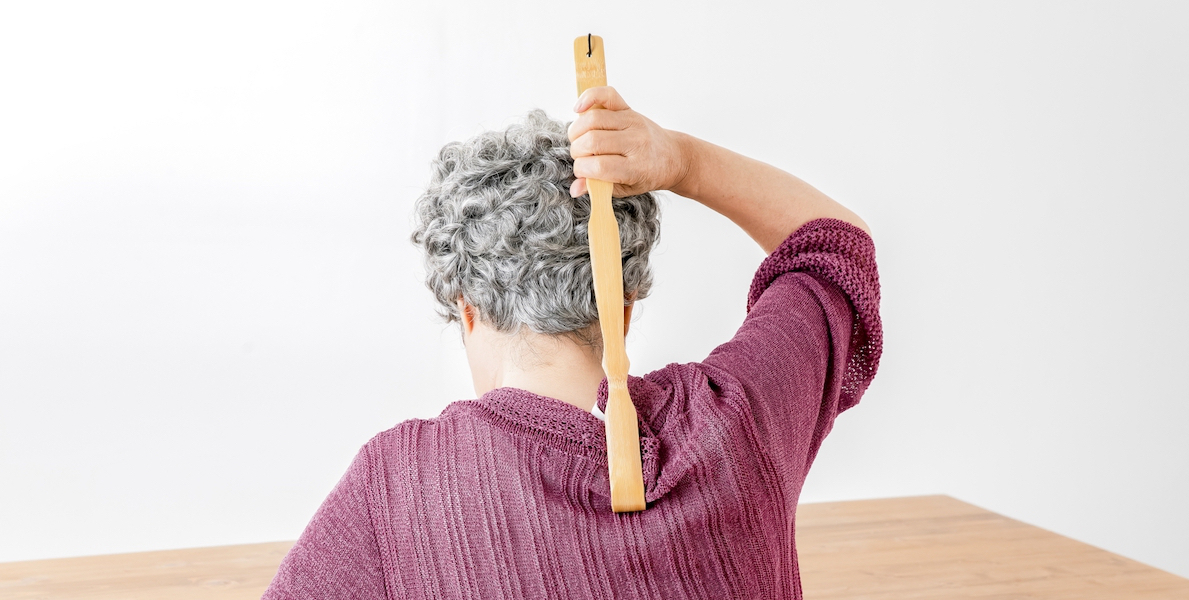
(547, 365)
(571, 381)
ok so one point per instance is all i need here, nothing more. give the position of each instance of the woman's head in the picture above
(500, 230)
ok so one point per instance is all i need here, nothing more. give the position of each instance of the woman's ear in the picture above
(466, 314)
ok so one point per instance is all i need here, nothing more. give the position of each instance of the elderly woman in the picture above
(507, 496)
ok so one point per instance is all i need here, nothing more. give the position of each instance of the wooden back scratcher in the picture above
(623, 436)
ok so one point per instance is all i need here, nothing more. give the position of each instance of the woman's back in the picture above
(507, 496)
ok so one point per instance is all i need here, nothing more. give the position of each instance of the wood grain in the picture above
(219, 573)
(624, 469)
(938, 547)
(889, 549)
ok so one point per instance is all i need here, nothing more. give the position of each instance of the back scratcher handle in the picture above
(623, 434)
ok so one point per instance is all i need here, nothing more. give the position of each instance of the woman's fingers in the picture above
(616, 116)
(606, 167)
(604, 96)
(609, 120)
(598, 141)
(578, 188)
(618, 145)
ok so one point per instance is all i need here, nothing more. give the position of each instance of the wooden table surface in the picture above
(921, 547)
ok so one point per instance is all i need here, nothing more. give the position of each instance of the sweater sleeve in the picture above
(337, 556)
(812, 338)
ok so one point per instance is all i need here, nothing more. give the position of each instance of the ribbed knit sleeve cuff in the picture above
(844, 255)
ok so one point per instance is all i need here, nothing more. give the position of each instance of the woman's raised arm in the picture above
(626, 148)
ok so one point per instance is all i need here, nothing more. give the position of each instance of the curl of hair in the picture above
(499, 229)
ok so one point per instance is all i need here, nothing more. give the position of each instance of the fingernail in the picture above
(578, 106)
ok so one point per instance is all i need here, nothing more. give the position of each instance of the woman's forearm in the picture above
(768, 203)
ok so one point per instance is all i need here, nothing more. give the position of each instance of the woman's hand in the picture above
(622, 146)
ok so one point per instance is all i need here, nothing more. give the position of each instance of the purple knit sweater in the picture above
(507, 496)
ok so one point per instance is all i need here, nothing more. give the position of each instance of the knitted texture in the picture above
(507, 496)
(834, 251)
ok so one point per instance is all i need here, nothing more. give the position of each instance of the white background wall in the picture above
(208, 301)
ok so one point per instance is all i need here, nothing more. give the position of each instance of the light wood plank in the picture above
(938, 547)
(217, 573)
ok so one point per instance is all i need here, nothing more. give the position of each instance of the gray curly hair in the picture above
(499, 229)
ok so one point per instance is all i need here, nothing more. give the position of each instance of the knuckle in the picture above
(580, 169)
(578, 147)
(594, 167)
(578, 127)
(597, 143)
(599, 168)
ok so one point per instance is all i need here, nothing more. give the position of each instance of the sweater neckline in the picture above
(566, 427)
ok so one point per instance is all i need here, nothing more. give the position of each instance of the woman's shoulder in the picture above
(412, 432)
